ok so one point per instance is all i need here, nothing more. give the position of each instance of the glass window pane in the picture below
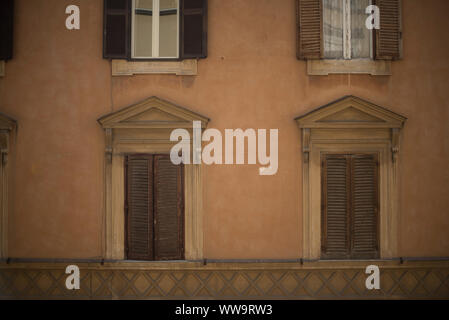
(143, 28)
(360, 34)
(333, 28)
(168, 28)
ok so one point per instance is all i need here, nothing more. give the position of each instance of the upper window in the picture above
(336, 29)
(155, 29)
(345, 33)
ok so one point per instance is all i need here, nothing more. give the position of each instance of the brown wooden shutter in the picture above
(168, 209)
(309, 16)
(365, 201)
(117, 29)
(388, 39)
(335, 206)
(139, 207)
(6, 29)
(194, 29)
(350, 205)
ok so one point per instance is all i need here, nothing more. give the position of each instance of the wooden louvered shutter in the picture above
(388, 39)
(139, 207)
(335, 206)
(6, 29)
(350, 205)
(168, 209)
(117, 29)
(364, 181)
(194, 29)
(309, 16)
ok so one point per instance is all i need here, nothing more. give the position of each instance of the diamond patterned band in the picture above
(320, 280)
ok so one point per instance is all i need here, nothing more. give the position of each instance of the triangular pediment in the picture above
(6, 123)
(351, 112)
(152, 113)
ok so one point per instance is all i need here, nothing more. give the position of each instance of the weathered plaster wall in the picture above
(57, 85)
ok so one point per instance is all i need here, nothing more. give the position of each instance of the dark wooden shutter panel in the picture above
(335, 206)
(364, 182)
(194, 29)
(169, 209)
(6, 29)
(117, 29)
(139, 203)
(309, 16)
(388, 39)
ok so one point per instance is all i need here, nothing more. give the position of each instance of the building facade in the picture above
(86, 118)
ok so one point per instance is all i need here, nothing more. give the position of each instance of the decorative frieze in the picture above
(316, 280)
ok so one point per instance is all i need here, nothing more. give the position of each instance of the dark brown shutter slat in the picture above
(139, 202)
(194, 29)
(388, 39)
(335, 206)
(117, 29)
(309, 15)
(169, 209)
(6, 29)
(364, 178)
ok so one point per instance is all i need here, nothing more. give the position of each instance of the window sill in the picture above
(2, 68)
(179, 68)
(361, 66)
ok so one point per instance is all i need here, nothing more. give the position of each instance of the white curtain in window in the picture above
(143, 29)
(360, 34)
(333, 28)
(168, 38)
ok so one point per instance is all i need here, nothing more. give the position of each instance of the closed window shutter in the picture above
(117, 29)
(194, 29)
(139, 207)
(364, 182)
(309, 15)
(335, 206)
(6, 29)
(350, 202)
(388, 39)
(169, 209)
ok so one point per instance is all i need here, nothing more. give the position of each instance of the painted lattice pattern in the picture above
(235, 283)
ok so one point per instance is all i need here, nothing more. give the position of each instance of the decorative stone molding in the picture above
(355, 66)
(350, 125)
(395, 143)
(286, 280)
(129, 68)
(145, 128)
(7, 125)
(2, 68)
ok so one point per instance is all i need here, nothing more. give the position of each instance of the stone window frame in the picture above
(324, 67)
(350, 125)
(145, 128)
(7, 127)
(187, 67)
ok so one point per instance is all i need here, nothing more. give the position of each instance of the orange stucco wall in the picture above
(58, 85)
